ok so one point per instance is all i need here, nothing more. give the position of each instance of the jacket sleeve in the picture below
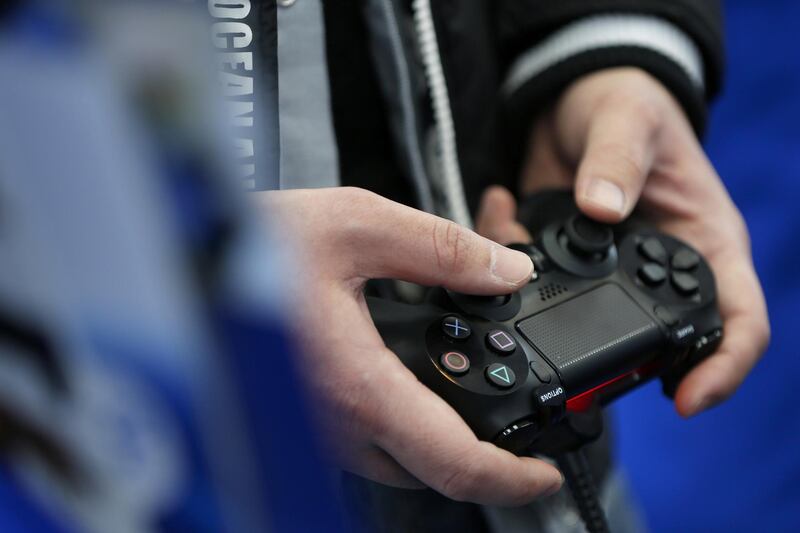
(545, 45)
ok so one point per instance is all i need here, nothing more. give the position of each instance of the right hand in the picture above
(382, 423)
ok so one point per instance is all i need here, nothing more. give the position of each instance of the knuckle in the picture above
(356, 198)
(461, 483)
(362, 402)
(621, 162)
(636, 100)
(348, 216)
(763, 333)
(631, 165)
(742, 235)
(647, 111)
(452, 245)
(355, 408)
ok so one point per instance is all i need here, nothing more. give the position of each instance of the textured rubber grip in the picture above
(584, 491)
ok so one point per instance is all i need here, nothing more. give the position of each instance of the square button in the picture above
(500, 341)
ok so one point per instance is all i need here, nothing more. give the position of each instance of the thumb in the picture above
(497, 217)
(396, 241)
(616, 162)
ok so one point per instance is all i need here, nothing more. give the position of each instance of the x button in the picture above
(456, 328)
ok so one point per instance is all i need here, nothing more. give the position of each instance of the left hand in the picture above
(619, 138)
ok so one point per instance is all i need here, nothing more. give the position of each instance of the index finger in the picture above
(430, 440)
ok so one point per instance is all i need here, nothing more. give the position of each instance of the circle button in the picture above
(455, 362)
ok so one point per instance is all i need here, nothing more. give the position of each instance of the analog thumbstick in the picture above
(588, 237)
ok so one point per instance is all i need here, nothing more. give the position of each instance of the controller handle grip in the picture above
(402, 327)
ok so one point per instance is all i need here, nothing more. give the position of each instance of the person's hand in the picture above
(382, 422)
(618, 137)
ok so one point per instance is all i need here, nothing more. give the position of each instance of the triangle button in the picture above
(500, 375)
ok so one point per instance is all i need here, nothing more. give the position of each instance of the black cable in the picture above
(584, 491)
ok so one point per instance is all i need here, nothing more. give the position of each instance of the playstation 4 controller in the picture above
(608, 308)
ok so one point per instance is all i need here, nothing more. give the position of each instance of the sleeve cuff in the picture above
(539, 75)
(609, 31)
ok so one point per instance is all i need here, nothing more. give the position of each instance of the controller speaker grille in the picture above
(551, 290)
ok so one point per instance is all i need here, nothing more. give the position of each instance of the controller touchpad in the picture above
(593, 337)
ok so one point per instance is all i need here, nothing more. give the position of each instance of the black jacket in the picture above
(479, 41)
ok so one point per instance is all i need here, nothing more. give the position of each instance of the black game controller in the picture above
(609, 308)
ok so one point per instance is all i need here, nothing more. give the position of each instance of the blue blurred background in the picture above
(737, 468)
(146, 364)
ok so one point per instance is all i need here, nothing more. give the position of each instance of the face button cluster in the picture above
(487, 358)
(654, 271)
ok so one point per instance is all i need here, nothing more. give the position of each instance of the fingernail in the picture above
(606, 194)
(511, 266)
(703, 404)
(555, 488)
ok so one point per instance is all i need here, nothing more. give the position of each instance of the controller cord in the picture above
(584, 491)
